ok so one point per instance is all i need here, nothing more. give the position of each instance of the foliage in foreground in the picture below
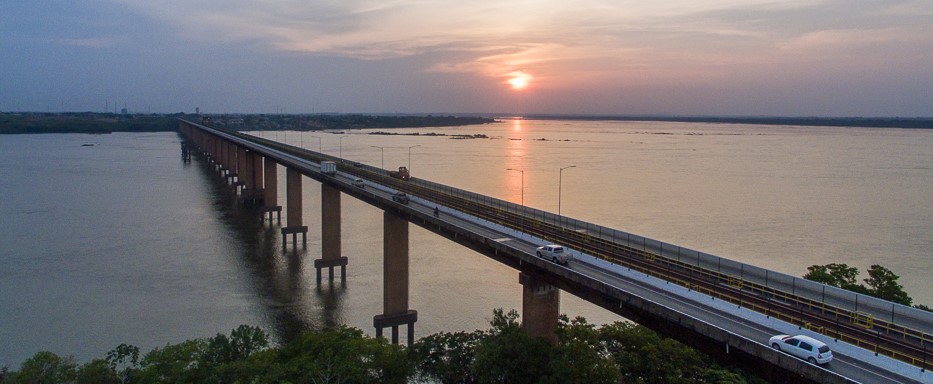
(616, 353)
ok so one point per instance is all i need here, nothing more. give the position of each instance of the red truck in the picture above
(401, 174)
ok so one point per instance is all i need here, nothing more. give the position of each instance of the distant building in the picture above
(123, 111)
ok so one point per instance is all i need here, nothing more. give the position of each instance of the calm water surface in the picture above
(121, 242)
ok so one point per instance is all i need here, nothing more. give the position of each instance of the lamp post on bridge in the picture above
(409, 156)
(383, 166)
(340, 143)
(560, 180)
(522, 220)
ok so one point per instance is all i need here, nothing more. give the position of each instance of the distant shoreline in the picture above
(103, 123)
(853, 122)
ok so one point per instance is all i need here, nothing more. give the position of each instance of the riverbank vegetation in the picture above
(881, 282)
(614, 353)
(101, 123)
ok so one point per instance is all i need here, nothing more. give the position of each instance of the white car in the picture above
(358, 183)
(804, 347)
(555, 253)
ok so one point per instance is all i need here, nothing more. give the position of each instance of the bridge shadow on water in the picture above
(289, 297)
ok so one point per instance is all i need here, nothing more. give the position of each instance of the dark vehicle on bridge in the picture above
(402, 173)
(400, 197)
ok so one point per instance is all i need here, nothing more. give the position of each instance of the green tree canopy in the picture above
(836, 275)
(882, 283)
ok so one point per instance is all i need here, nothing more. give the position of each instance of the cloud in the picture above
(566, 44)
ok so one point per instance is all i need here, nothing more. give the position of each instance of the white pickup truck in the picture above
(555, 253)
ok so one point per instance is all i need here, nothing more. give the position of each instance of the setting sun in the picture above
(519, 80)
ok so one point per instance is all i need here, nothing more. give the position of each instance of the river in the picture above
(110, 239)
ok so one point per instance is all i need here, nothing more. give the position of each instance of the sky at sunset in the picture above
(710, 57)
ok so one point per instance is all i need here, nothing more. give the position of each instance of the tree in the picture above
(44, 368)
(176, 363)
(98, 371)
(643, 356)
(124, 360)
(508, 355)
(447, 357)
(338, 356)
(579, 355)
(836, 275)
(882, 283)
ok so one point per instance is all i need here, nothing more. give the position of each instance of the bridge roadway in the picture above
(696, 319)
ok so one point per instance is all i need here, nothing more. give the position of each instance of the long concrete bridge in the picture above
(724, 308)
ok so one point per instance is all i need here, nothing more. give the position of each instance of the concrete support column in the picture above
(231, 160)
(395, 279)
(246, 169)
(256, 166)
(252, 179)
(186, 150)
(540, 308)
(241, 168)
(218, 159)
(271, 191)
(293, 221)
(330, 235)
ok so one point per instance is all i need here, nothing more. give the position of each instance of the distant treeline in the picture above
(87, 122)
(329, 121)
(864, 122)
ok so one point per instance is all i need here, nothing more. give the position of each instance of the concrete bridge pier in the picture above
(270, 192)
(241, 169)
(293, 221)
(330, 236)
(218, 155)
(540, 307)
(230, 151)
(395, 280)
(252, 191)
(186, 151)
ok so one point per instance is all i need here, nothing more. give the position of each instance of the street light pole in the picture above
(522, 220)
(560, 180)
(383, 155)
(409, 156)
(340, 142)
